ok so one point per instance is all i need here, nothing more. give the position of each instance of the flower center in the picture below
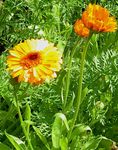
(33, 56)
(30, 60)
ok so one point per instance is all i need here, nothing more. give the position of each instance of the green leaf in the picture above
(57, 129)
(106, 143)
(70, 103)
(64, 143)
(27, 112)
(2, 114)
(63, 118)
(78, 133)
(98, 143)
(1, 30)
(4, 147)
(92, 144)
(16, 142)
(61, 46)
(84, 93)
(81, 130)
(56, 132)
(42, 138)
(27, 117)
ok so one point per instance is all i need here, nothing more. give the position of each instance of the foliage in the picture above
(47, 122)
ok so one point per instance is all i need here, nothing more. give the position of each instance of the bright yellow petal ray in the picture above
(15, 53)
(32, 44)
(17, 73)
(34, 61)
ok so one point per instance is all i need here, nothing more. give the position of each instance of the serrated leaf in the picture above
(42, 138)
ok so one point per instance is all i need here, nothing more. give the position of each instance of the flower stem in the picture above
(21, 120)
(69, 72)
(78, 98)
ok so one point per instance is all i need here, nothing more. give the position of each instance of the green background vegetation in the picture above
(53, 20)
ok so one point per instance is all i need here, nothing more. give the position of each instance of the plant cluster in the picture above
(58, 75)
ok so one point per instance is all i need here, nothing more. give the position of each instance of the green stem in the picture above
(78, 98)
(21, 121)
(24, 130)
(69, 73)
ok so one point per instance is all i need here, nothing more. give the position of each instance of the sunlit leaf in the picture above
(92, 144)
(57, 127)
(42, 138)
(98, 142)
(27, 117)
(78, 133)
(81, 130)
(64, 143)
(16, 142)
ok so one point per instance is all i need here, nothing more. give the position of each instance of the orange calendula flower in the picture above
(80, 29)
(34, 61)
(98, 19)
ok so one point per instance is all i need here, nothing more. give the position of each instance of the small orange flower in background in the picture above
(34, 61)
(80, 29)
(98, 19)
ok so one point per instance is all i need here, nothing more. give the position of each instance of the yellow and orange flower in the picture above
(98, 19)
(34, 61)
(80, 28)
